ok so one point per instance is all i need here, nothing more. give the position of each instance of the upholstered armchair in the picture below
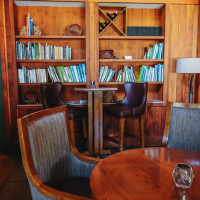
(51, 97)
(132, 106)
(54, 167)
(182, 126)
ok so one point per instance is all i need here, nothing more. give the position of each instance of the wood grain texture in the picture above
(51, 20)
(143, 174)
(180, 45)
(11, 69)
(4, 70)
(27, 157)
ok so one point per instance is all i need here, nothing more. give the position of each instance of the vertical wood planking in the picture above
(12, 69)
(90, 122)
(4, 70)
(183, 22)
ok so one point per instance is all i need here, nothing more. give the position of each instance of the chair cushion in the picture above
(75, 185)
(76, 112)
(123, 110)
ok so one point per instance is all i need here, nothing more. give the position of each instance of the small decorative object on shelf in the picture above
(30, 28)
(92, 84)
(36, 31)
(106, 54)
(30, 97)
(183, 175)
(74, 29)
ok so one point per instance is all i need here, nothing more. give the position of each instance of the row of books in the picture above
(149, 73)
(33, 51)
(125, 75)
(32, 76)
(105, 74)
(154, 52)
(73, 73)
(30, 23)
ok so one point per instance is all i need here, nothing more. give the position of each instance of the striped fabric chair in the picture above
(54, 168)
(182, 126)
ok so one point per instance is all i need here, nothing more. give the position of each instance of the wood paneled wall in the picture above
(182, 43)
(180, 37)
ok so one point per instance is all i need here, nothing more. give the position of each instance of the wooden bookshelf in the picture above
(170, 15)
(54, 30)
(52, 61)
(50, 37)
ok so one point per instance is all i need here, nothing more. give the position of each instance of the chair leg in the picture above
(84, 127)
(121, 133)
(141, 124)
(73, 140)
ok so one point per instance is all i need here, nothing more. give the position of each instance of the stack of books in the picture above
(150, 74)
(33, 51)
(71, 74)
(32, 76)
(30, 23)
(154, 52)
(125, 75)
(105, 74)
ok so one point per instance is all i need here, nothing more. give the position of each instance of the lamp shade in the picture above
(188, 65)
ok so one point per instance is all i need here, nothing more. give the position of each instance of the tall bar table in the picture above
(95, 118)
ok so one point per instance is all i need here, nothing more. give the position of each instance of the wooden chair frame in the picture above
(168, 117)
(121, 131)
(27, 158)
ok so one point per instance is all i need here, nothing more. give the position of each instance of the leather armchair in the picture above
(132, 106)
(54, 167)
(51, 97)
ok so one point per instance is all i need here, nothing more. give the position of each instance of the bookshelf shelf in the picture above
(38, 84)
(52, 61)
(131, 60)
(131, 38)
(49, 37)
(121, 83)
(30, 106)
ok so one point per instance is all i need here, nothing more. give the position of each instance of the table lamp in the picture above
(189, 66)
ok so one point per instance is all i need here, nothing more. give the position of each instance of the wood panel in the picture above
(183, 2)
(197, 82)
(5, 84)
(11, 71)
(51, 20)
(182, 27)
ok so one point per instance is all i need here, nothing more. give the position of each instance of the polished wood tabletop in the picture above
(144, 174)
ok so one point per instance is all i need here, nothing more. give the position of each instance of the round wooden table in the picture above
(144, 174)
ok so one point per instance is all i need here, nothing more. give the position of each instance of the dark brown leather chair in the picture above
(51, 97)
(132, 106)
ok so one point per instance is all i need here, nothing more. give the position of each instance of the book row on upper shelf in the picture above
(33, 51)
(154, 52)
(126, 74)
(69, 74)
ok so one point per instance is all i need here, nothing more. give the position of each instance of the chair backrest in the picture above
(184, 130)
(135, 93)
(51, 95)
(45, 144)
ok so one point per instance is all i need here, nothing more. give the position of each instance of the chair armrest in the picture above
(79, 167)
(167, 125)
